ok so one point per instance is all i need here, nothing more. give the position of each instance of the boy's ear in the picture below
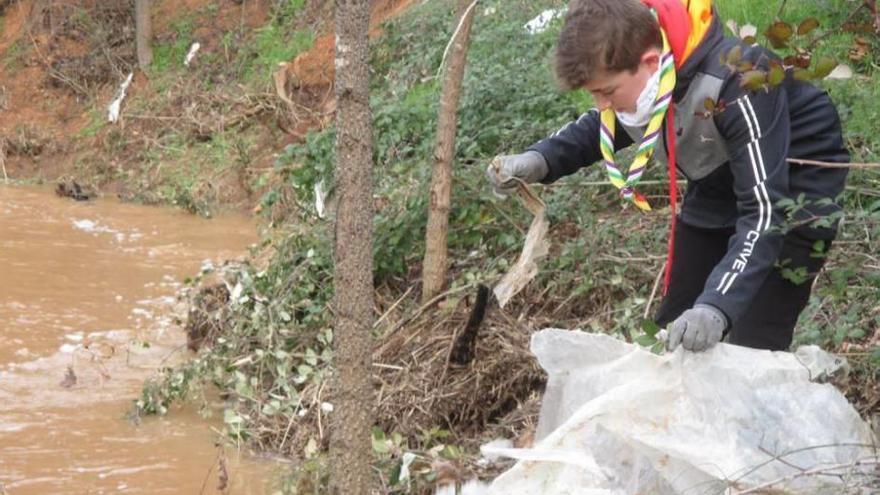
(651, 58)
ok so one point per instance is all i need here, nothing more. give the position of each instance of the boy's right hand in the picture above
(528, 167)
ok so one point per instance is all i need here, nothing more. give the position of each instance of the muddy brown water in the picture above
(86, 285)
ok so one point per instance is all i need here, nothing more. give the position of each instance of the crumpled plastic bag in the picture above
(617, 419)
(535, 247)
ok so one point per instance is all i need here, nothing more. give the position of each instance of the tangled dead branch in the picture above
(83, 47)
(420, 387)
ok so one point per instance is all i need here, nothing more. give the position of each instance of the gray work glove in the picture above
(697, 329)
(529, 167)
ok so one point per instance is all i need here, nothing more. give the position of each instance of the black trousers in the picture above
(770, 320)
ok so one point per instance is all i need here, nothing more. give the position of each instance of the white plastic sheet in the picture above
(116, 105)
(617, 419)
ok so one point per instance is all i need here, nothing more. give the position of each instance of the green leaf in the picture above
(450, 452)
(230, 417)
(734, 55)
(802, 75)
(776, 74)
(753, 80)
(645, 340)
(311, 358)
(304, 369)
(380, 443)
(875, 356)
(271, 407)
(807, 25)
(745, 66)
(394, 476)
(824, 67)
(650, 327)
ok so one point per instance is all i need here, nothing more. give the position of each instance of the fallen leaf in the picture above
(859, 49)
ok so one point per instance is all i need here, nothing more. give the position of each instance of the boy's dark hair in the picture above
(603, 35)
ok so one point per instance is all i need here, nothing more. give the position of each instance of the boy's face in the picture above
(620, 90)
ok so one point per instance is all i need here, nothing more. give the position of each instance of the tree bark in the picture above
(350, 445)
(435, 264)
(143, 32)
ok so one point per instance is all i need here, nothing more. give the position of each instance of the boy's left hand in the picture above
(697, 329)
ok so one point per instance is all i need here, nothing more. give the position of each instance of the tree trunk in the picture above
(350, 445)
(143, 32)
(435, 264)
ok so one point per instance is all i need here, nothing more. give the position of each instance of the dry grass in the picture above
(419, 387)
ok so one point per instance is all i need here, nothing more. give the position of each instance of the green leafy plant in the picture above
(650, 337)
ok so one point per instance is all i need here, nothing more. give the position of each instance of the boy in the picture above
(650, 66)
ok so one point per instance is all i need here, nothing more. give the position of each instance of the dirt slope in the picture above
(55, 85)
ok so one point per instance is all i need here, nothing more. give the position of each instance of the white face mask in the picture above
(643, 106)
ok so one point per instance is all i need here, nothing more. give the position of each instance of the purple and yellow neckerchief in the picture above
(649, 141)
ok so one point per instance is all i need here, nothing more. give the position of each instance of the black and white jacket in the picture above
(734, 160)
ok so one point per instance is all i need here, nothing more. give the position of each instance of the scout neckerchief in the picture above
(649, 141)
(661, 108)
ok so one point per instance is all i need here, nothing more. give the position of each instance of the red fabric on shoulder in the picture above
(675, 20)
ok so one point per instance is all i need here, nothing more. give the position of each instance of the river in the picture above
(89, 289)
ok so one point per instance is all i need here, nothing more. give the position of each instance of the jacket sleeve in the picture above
(574, 146)
(756, 128)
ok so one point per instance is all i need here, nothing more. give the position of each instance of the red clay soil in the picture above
(26, 105)
(315, 67)
(55, 117)
(52, 115)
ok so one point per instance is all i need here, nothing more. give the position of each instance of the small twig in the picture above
(781, 9)
(393, 306)
(829, 470)
(152, 117)
(3, 160)
(818, 163)
(776, 458)
(320, 411)
(418, 312)
(862, 190)
(388, 366)
(621, 259)
(828, 32)
(208, 474)
(654, 289)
